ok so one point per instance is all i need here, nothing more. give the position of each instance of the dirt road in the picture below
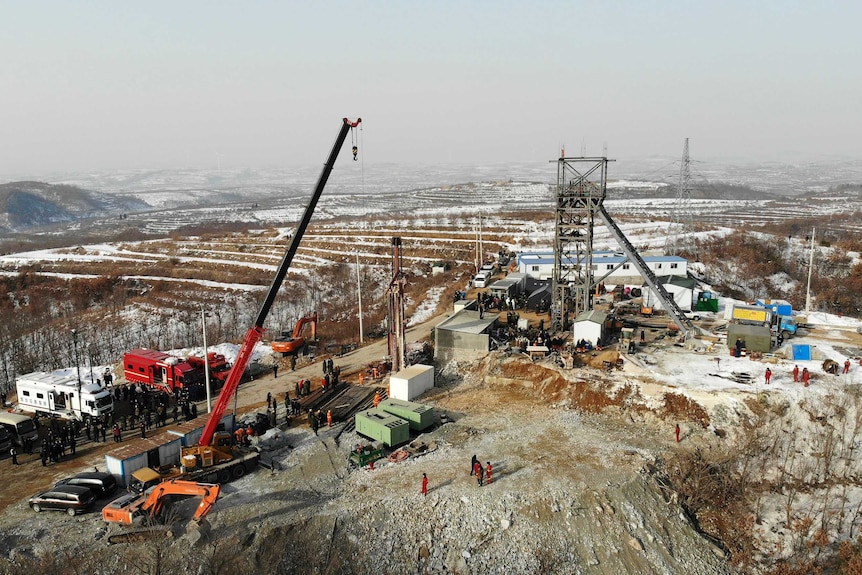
(22, 481)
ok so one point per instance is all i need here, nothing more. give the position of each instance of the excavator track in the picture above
(140, 535)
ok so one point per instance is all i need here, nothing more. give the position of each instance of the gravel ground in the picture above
(569, 496)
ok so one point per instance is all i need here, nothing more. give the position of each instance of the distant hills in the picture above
(27, 205)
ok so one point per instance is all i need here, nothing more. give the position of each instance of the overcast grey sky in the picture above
(117, 85)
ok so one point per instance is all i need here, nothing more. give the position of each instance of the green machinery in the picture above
(362, 455)
(418, 416)
(383, 427)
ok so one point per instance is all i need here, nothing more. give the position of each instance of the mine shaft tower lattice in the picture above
(581, 192)
(581, 189)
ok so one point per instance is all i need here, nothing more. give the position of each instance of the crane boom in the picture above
(255, 334)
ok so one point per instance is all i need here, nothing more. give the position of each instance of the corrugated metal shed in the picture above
(161, 447)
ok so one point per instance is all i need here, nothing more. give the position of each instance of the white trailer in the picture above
(57, 394)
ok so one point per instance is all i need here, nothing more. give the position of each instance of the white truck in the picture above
(57, 393)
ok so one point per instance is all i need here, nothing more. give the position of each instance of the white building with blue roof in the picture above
(619, 270)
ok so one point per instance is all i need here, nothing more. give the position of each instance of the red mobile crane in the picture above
(215, 448)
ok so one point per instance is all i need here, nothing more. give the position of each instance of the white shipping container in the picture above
(411, 382)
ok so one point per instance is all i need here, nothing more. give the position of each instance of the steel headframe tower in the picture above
(396, 309)
(581, 189)
(680, 217)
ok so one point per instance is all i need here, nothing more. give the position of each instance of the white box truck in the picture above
(57, 393)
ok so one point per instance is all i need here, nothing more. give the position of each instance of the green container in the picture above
(418, 415)
(383, 427)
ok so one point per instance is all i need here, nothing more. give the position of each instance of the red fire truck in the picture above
(169, 373)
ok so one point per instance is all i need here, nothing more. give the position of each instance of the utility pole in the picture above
(359, 297)
(206, 360)
(78, 370)
(810, 267)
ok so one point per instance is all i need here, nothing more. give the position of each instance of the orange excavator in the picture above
(291, 344)
(127, 508)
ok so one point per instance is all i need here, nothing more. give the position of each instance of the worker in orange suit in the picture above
(805, 376)
(488, 470)
(424, 484)
(329, 418)
(795, 373)
(376, 399)
(846, 366)
(478, 472)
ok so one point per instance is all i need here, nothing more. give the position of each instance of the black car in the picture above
(69, 498)
(101, 484)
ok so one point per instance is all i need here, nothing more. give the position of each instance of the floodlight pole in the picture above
(206, 360)
(359, 297)
(810, 267)
(78, 370)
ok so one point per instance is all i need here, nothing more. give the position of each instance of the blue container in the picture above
(801, 352)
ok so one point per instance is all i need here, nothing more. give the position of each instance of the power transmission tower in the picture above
(680, 225)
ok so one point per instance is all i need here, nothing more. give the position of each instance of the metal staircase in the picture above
(683, 323)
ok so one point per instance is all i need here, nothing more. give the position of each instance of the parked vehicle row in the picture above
(76, 494)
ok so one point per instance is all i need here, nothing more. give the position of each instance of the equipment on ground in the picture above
(293, 343)
(363, 454)
(215, 448)
(627, 340)
(127, 508)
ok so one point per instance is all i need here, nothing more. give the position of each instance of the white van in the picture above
(479, 280)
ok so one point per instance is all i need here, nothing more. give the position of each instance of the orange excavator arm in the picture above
(310, 318)
(208, 492)
(124, 509)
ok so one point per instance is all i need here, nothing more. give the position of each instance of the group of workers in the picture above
(481, 473)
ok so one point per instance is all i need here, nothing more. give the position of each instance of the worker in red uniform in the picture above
(795, 373)
(488, 470)
(424, 484)
(478, 472)
(677, 432)
(768, 375)
(805, 376)
(846, 366)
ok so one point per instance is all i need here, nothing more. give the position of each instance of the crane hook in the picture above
(355, 151)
